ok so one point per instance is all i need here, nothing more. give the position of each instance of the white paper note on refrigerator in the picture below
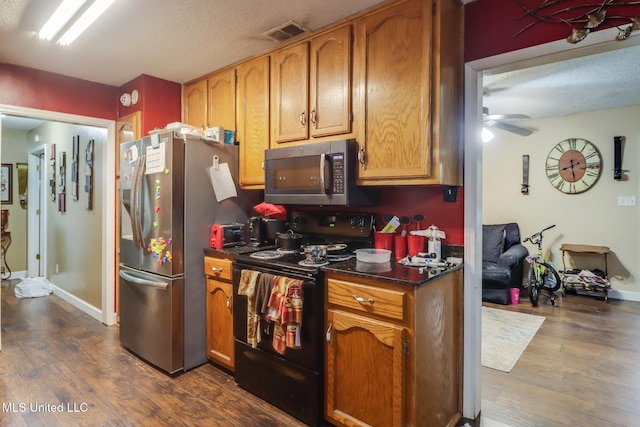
(223, 185)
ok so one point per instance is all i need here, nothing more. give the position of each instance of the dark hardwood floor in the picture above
(53, 354)
(582, 368)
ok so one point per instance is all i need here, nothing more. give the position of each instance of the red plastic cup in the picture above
(383, 240)
(400, 243)
(515, 295)
(415, 243)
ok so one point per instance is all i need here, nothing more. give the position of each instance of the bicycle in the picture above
(542, 276)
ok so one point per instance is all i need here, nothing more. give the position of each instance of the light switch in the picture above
(626, 201)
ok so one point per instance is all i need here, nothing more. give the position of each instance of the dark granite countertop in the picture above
(234, 250)
(390, 271)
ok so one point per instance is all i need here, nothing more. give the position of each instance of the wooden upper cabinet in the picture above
(221, 100)
(195, 104)
(330, 94)
(252, 115)
(291, 92)
(312, 88)
(405, 106)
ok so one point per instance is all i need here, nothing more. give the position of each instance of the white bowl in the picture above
(373, 255)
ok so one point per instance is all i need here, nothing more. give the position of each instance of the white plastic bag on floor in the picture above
(31, 287)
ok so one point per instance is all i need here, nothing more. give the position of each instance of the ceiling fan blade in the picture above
(511, 128)
(506, 116)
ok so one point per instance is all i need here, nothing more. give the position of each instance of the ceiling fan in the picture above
(496, 120)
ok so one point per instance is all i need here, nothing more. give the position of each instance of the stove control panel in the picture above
(354, 225)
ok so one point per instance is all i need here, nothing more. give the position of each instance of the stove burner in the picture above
(267, 254)
(306, 263)
(336, 247)
(286, 252)
(339, 258)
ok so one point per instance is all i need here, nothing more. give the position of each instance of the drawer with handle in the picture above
(217, 268)
(369, 299)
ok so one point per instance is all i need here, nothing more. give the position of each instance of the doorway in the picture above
(36, 214)
(541, 54)
(104, 194)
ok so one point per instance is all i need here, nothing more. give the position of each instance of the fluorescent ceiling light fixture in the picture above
(60, 17)
(487, 135)
(87, 18)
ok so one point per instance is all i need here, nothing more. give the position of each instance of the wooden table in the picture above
(576, 281)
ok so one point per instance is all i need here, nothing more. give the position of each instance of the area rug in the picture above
(505, 335)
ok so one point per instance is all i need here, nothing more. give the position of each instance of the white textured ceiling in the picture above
(176, 40)
(595, 82)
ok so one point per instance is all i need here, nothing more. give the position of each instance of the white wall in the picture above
(592, 217)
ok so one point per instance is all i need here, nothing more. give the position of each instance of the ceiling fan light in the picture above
(87, 18)
(487, 135)
(59, 18)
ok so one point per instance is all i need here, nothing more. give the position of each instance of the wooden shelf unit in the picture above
(581, 283)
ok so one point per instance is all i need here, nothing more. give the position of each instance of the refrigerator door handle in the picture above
(137, 200)
(143, 282)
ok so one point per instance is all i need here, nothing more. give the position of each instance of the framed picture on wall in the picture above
(6, 183)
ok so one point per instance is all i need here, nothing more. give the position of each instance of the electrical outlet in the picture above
(626, 201)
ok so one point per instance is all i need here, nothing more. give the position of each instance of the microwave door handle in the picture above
(325, 173)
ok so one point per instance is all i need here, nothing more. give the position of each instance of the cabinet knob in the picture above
(303, 119)
(328, 335)
(229, 305)
(216, 269)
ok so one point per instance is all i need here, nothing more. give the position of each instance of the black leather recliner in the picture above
(502, 261)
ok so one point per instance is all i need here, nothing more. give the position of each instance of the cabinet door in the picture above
(330, 83)
(364, 371)
(219, 306)
(221, 98)
(291, 93)
(195, 104)
(393, 55)
(253, 120)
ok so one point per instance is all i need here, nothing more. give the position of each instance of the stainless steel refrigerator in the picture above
(168, 205)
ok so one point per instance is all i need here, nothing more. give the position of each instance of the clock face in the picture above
(573, 165)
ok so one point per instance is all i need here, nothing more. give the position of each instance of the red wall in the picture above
(490, 25)
(160, 101)
(412, 200)
(26, 87)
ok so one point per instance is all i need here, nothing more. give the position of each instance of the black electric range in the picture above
(293, 380)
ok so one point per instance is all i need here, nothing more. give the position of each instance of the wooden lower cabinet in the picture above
(385, 369)
(219, 309)
(364, 371)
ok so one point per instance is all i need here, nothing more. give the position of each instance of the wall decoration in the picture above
(74, 167)
(62, 195)
(23, 175)
(6, 184)
(88, 174)
(52, 164)
(573, 165)
(582, 19)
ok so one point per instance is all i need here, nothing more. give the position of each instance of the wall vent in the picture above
(285, 31)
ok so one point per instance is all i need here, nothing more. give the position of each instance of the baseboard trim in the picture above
(624, 295)
(78, 303)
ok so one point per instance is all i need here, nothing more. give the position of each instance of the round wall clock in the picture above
(573, 165)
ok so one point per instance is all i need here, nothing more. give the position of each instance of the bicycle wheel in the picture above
(533, 286)
(550, 278)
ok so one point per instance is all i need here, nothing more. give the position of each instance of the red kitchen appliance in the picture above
(226, 235)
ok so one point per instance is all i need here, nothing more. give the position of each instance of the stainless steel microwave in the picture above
(322, 173)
